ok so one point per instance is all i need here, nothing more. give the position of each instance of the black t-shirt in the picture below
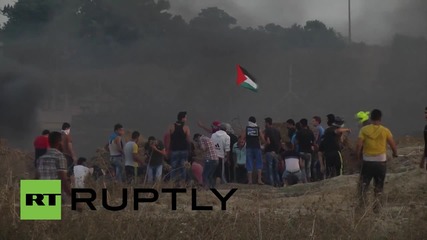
(178, 140)
(275, 140)
(156, 157)
(305, 139)
(425, 141)
(252, 138)
(330, 141)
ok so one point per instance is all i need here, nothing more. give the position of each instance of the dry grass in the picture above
(323, 210)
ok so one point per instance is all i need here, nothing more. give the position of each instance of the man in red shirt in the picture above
(41, 144)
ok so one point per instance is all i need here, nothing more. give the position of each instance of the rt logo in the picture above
(40, 200)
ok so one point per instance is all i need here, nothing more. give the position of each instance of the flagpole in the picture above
(349, 21)
(230, 98)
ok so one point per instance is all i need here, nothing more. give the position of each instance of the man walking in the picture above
(53, 164)
(273, 143)
(41, 144)
(374, 139)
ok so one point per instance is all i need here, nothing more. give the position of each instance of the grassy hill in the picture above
(321, 210)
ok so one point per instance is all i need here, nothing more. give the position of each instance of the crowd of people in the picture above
(308, 153)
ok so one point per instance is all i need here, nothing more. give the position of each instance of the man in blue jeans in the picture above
(318, 131)
(179, 146)
(210, 158)
(156, 153)
(253, 137)
(115, 147)
(273, 142)
(305, 140)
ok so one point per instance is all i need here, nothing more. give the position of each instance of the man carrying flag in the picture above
(245, 79)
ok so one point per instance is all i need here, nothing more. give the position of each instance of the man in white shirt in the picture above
(81, 172)
(221, 140)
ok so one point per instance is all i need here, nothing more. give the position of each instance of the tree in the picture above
(318, 35)
(315, 26)
(28, 16)
(213, 19)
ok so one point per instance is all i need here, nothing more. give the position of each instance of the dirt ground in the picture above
(321, 210)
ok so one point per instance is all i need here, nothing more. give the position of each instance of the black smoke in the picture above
(19, 100)
(135, 63)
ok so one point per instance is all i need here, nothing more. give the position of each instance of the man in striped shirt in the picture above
(53, 164)
(210, 158)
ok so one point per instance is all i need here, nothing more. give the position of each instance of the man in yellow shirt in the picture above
(373, 139)
(133, 161)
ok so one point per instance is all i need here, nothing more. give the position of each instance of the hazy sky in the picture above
(374, 21)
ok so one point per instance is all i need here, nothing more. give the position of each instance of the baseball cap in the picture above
(338, 122)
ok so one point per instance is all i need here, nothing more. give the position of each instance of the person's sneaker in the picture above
(260, 183)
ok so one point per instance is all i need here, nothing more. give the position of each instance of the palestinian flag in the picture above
(245, 79)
